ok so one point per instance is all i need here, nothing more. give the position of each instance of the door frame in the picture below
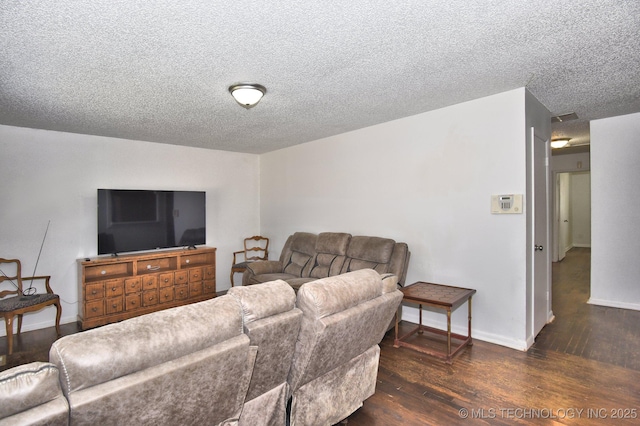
(539, 281)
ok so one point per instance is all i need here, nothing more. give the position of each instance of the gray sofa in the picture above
(237, 359)
(307, 257)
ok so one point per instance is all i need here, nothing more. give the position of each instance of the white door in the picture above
(540, 253)
(564, 212)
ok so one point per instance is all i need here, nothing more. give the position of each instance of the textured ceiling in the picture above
(160, 70)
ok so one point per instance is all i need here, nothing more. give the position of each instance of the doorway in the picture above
(572, 212)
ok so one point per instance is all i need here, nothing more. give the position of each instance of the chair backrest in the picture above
(10, 277)
(256, 248)
(272, 323)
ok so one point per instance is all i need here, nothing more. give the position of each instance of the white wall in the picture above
(53, 176)
(426, 180)
(581, 209)
(615, 211)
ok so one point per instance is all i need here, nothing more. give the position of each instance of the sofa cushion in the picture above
(302, 250)
(145, 341)
(369, 252)
(327, 296)
(333, 242)
(331, 249)
(264, 300)
(33, 386)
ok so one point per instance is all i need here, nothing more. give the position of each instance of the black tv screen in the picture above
(135, 220)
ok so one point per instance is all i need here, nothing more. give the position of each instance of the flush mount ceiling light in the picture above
(559, 143)
(247, 94)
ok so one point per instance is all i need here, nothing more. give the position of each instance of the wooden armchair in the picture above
(17, 300)
(255, 248)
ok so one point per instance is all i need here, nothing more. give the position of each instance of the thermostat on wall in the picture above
(506, 204)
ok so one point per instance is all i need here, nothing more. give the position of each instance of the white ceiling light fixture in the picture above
(247, 94)
(559, 143)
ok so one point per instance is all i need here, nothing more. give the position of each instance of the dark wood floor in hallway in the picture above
(582, 369)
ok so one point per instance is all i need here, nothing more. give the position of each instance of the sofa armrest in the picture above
(260, 267)
(389, 283)
(31, 394)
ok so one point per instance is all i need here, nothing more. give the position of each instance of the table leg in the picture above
(448, 334)
(396, 341)
(420, 327)
(470, 341)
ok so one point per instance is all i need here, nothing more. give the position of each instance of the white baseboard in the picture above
(582, 245)
(411, 314)
(614, 304)
(38, 326)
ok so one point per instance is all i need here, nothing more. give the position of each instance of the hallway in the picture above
(600, 333)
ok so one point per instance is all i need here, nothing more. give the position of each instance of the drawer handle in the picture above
(166, 280)
(133, 302)
(103, 272)
(188, 261)
(94, 309)
(195, 275)
(94, 292)
(150, 298)
(114, 306)
(113, 289)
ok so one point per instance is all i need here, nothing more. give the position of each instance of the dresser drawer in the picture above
(94, 309)
(132, 285)
(181, 292)
(209, 272)
(195, 274)
(195, 289)
(166, 279)
(166, 294)
(114, 288)
(132, 301)
(150, 298)
(181, 277)
(149, 282)
(94, 291)
(209, 287)
(114, 305)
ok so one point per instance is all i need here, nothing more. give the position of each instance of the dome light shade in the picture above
(247, 94)
(559, 143)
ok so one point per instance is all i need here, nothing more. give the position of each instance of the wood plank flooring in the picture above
(583, 369)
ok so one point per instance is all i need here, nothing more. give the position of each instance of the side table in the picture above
(438, 296)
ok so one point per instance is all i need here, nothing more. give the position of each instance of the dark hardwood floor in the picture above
(582, 369)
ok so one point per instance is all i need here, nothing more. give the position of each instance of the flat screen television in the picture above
(136, 220)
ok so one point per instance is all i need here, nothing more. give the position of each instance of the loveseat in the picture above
(239, 359)
(307, 257)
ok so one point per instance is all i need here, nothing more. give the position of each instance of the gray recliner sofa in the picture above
(335, 363)
(188, 364)
(272, 322)
(234, 360)
(307, 257)
(31, 394)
